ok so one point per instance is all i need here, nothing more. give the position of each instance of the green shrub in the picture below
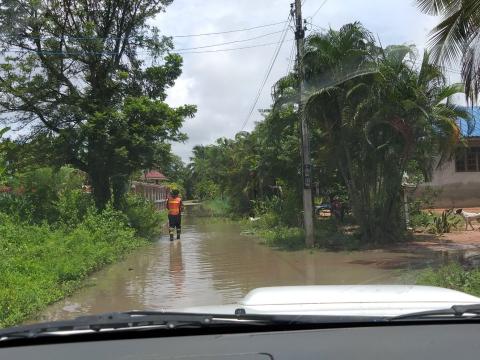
(206, 189)
(283, 237)
(46, 194)
(452, 276)
(40, 265)
(282, 210)
(420, 216)
(422, 219)
(329, 236)
(444, 223)
(279, 221)
(143, 217)
(72, 206)
(216, 208)
(18, 207)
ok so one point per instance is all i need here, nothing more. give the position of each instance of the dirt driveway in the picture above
(457, 240)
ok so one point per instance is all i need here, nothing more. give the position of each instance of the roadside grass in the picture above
(216, 208)
(328, 235)
(452, 276)
(271, 228)
(41, 264)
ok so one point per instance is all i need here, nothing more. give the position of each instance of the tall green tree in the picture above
(456, 38)
(94, 74)
(252, 165)
(376, 112)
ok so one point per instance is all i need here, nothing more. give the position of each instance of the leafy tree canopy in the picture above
(92, 75)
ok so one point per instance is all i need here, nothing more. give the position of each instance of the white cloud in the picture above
(223, 84)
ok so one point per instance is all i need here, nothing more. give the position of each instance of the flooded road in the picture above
(215, 264)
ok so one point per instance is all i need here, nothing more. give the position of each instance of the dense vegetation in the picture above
(374, 114)
(41, 264)
(82, 87)
(52, 237)
(93, 116)
(453, 276)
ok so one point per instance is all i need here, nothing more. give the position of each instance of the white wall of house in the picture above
(458, 189)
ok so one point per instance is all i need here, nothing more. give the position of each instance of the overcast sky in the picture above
(223, 84)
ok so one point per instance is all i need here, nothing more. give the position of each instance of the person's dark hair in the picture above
(175, 192)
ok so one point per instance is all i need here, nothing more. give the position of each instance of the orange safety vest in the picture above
(173, 205)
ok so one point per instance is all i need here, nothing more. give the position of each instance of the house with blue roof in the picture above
(459, 179)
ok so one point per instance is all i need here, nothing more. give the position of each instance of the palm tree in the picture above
(375, 114)
(456, 38)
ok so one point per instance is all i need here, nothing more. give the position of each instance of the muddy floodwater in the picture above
(215, 264)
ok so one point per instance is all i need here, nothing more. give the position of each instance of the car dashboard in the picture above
(450, 340)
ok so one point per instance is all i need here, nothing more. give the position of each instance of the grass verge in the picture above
(41, 265)
(452, 276)
(328, 235)
(216, 208)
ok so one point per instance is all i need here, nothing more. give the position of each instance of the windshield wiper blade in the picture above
(456, 311)
(170, 320)
(131, 320)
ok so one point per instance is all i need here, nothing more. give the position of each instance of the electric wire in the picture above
(64, 53)
(176, 50)
(316, 11)
(172, 36)
(231, 42)
(265, 79)
(232, 49)
(228, 31)
(291, 59)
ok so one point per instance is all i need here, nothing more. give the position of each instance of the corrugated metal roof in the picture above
(474, 129)
(155, 175)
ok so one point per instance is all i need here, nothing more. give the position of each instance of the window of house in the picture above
(468, 160)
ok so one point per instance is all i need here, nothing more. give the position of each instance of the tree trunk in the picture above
(101, 187)
(119, 189)
(98, 173)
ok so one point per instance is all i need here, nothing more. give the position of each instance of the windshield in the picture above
(177, 155)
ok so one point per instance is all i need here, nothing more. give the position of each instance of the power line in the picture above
(229, 31)
(318, 27)
(316, 12)
(269, 70)
(173, 36)
(232, 49)
(64, 53)
(291, 59)
(230, 42)
(181, 50)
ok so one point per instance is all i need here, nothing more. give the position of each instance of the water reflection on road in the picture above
(215, 264)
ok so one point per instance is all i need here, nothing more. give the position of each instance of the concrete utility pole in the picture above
(305, 149)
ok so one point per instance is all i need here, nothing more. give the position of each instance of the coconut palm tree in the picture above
(376, 113)
(457, 38)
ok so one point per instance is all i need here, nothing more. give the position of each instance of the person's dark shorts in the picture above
(175, 221)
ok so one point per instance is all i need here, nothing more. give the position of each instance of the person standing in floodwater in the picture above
(175, 208)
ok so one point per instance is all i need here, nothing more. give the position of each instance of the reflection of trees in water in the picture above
(239, 263)
(177, 272)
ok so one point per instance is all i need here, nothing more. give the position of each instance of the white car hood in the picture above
(352, 300)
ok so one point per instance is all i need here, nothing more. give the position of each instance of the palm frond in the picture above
(448, 39)
(436, 7)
